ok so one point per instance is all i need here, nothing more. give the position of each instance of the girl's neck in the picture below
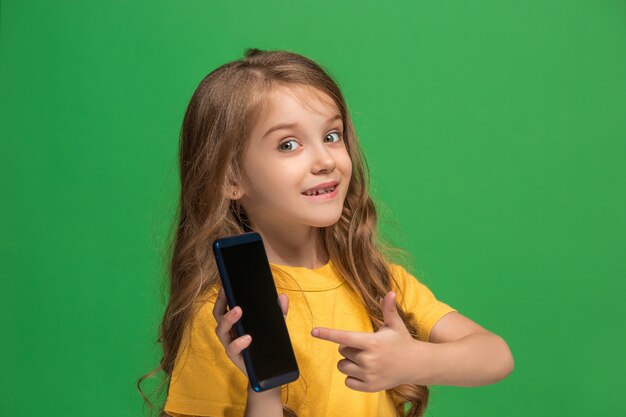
(294, 246)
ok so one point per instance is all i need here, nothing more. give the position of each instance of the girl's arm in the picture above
(465, 354)
(459, 352)
(264, 404)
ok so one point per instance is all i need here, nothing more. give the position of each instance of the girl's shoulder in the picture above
(400, 276)
(201, 314)
(409, 288)
(415, 297)
(208, 295)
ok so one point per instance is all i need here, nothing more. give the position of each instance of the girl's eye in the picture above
(288, 146)
(337, 134)
(291, 145)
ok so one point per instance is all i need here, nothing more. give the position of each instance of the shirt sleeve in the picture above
(204, 381)
(414, 297)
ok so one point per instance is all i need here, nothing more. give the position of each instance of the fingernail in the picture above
(315, 332)
(247, 338)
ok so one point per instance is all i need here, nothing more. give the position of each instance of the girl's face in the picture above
(296, 162)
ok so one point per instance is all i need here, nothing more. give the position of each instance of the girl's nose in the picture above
(323, 160)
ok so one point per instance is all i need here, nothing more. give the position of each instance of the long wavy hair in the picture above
(215, 127)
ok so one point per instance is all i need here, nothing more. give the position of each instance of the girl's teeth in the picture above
(322, 191)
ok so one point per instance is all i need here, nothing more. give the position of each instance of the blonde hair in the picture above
(215, 127)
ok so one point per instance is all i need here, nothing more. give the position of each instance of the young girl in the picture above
(267, 144)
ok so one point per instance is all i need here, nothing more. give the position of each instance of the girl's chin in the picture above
(313, 221)
(325, 222)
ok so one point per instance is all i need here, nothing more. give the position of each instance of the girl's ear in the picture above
(233, 191)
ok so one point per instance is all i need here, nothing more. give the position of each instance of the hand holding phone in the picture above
(256, 310)
(225, 332)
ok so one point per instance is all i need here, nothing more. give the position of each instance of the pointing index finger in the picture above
(357, 340)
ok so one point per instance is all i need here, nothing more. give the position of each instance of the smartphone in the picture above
(248, 283)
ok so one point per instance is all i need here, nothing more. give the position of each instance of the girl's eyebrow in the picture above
(291, 125)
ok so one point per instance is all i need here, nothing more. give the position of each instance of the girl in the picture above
(267, 144)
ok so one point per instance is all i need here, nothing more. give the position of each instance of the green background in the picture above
(496, 136)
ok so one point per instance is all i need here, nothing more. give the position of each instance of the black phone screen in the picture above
(254, 291)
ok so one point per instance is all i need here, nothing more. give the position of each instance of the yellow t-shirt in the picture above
(205, 382)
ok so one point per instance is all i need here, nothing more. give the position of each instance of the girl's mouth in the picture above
(327, 192)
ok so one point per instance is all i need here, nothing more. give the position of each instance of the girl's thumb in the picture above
(390, 311)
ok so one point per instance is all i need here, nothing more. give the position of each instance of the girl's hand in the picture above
(225, 332)
(377, 361)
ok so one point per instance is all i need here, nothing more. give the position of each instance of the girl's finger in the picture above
(220, 305)
(357, 385)
(350, 368)
(284, 303)
(237, 345)
(359, 340)
(226, 323)
(351, 353)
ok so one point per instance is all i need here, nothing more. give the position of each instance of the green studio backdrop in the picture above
(495, 132)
